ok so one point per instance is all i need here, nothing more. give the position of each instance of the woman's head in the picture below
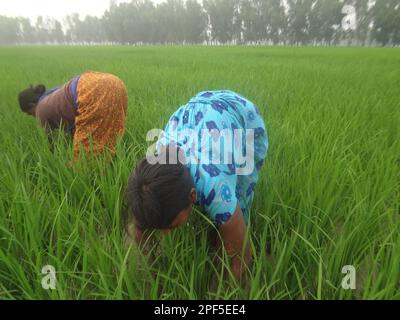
(160, 196)
(29, 98)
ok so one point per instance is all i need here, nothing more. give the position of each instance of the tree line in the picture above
(286, 22)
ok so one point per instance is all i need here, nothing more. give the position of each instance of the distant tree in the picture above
(27, 31)
(195, 22)
(57, 33)
(72, 23)
(385, 29)
(299, 20)
(396, 25)
(9, 30)
(222, 16)
(275, 20)
(363, 20)
(146, 26)
(324, 19)
(114, 20)
(42, 32)
(88, 30)
(137, 21)
(170, 21)
(253, 20)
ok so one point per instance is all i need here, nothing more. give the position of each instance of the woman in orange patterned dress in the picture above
(92, 107)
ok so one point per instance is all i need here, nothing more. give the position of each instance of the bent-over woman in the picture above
(91, 107)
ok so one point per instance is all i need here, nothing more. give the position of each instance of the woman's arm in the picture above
(237, 246)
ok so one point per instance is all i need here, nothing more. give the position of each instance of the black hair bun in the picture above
(40, 89)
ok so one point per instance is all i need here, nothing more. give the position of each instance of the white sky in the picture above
(54, 8)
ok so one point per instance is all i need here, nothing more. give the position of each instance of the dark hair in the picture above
(30, 95)
(157, 193)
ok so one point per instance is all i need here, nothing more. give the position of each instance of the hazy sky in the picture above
(54, 8)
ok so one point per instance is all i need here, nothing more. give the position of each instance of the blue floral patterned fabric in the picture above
(221, 184)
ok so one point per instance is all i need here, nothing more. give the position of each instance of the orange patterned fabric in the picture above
(102, 107)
